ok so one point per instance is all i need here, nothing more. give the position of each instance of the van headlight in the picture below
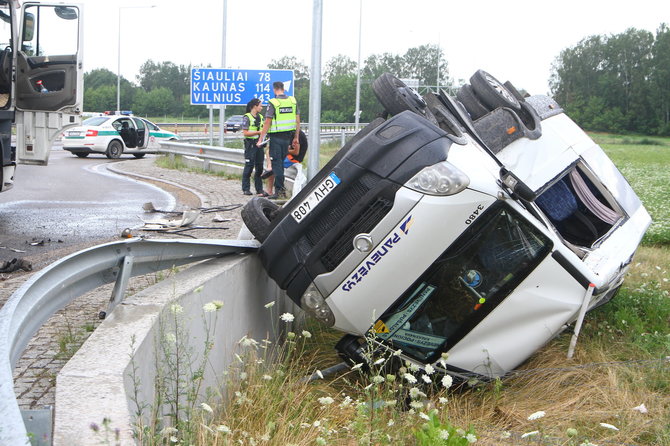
(439, 179)
(313, 303)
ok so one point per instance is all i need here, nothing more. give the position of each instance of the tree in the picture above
(301, 81)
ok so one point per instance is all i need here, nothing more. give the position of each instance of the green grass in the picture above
(645, 166)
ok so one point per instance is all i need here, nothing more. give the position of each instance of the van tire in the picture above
(114, 150)
(396, 97)
(257, 215)
(492, 92)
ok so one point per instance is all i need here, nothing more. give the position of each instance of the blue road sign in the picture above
(217, 86)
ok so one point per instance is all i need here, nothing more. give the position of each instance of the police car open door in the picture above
(49, 77)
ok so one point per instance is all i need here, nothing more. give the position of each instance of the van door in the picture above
(49, 77)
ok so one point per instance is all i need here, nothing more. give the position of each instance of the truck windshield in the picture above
(466, 283)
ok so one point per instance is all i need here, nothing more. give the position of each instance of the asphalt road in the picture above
(71, 201)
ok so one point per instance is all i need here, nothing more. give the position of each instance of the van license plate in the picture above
(314, 198)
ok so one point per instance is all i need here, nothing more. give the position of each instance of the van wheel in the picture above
(258, 214)
(139, 155)
(81, 154)
(471, 102)
(492, 91)
(396, 97)
(114, 150)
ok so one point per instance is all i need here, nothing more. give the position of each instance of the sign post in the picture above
(215, 86)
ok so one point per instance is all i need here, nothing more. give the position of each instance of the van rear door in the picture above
(49, 77)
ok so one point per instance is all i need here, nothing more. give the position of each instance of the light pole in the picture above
(118, 66)
(357, 112)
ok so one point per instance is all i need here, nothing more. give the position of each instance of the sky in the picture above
(515, 40)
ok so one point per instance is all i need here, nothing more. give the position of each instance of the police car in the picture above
(477, 226)
(114, 136)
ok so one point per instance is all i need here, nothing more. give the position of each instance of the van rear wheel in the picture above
(257, 215)
(396, 97)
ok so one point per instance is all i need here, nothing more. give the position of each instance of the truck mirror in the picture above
(66, 12)
(28, 27)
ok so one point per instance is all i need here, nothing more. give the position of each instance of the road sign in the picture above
(217, 86)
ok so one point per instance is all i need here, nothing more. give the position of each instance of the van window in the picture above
(466, 283)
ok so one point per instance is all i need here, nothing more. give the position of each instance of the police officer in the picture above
(281, 122)
(253, 154)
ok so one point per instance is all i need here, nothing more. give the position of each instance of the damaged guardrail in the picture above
(54, 287)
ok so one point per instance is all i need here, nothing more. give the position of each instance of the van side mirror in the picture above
(66, 12)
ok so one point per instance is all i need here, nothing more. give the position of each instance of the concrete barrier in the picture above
(97, 383)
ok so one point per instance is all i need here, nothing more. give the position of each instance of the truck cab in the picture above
(41, 80)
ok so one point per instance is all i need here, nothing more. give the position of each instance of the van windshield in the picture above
(466, 283)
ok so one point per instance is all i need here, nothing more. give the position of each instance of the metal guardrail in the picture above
(54, 287)
(204, 127)
(208, 153)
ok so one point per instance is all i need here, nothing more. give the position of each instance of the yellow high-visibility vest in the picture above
(285, 118)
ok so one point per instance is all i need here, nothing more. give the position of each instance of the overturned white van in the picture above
(471, 226)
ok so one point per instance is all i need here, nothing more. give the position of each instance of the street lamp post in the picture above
(118, 66)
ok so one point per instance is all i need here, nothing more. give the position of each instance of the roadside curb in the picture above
(119, 171)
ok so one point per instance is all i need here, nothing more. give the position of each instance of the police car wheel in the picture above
(492, 92)
(257, 215)
(396, 97)
(471, 102)
(114, 150)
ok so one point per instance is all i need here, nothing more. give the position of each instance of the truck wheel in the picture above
(81, 154)
(258, 214)
(471, 102)
(493, 93)
(114, 150)
(396, 97)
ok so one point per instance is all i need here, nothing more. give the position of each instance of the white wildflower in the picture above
(267, 377)
(443, 400)
(287, 317)
(174, 439)
(429, 369)
(306, 334)
(424, 416)
(209, 307)
(320, 441)
(243, 376)
(471, 438)
(413, 367)
(444, 434)
(317, 423)
(176, 309)
(414, 393)
(206, 407)
(641, 408)
(378, 379)
(326, 401)
(346, 401)
(247, 342)
(416, 405)
(170, 338)
(426, 379)
(447, 381)
(536, 415)
(390, 423)
(223, 429)
(609, 426)
(409, 378)
(269, 304)
(529, 434)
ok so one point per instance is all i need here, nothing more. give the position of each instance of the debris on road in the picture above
(15, 265)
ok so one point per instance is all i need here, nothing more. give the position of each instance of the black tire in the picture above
(114, 150)
(471, 102)
(492, 92)
(257, 215)
(396, 97)
(81, 154)
(139, 155)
